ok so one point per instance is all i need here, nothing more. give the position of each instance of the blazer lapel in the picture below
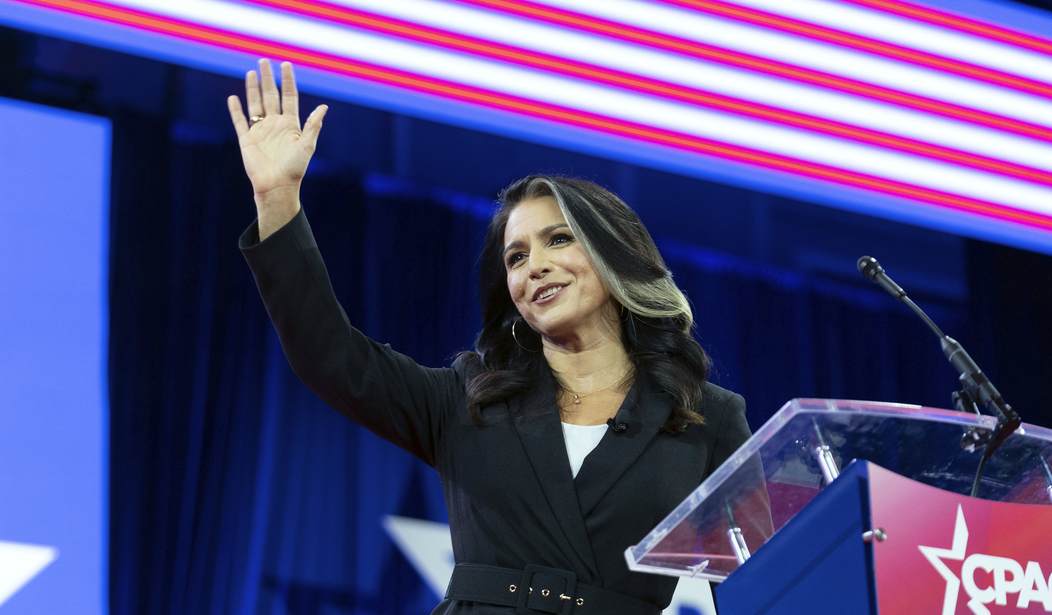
(644, 412)
(536, 419)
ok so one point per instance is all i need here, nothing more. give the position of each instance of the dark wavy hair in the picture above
(656, 319)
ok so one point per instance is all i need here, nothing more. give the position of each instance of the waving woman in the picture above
(580, 419)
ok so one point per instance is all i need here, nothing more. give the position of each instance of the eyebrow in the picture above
(544, 231)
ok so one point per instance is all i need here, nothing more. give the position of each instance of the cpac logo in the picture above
(987, 578)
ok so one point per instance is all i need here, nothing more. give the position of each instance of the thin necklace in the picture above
(578, 396)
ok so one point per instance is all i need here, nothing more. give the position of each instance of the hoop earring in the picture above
(516, 338)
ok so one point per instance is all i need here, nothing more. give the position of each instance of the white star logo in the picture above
(936, 557)
(427, 545)
(19, 563)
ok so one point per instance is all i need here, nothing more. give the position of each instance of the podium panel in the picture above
(816, 564)
(876, 542)
(949, 553)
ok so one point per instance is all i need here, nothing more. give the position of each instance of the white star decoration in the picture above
(936, 555)
(19, 563)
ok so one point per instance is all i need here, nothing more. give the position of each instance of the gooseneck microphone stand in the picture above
(976, 389)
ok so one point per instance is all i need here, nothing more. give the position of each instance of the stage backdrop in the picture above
(239, 490)
(54, 214)
(233, 490)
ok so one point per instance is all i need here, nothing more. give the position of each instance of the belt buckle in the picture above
(546, 590)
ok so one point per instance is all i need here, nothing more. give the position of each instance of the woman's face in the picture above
(550, 278)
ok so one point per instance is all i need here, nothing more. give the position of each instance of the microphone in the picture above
(976, 386)
(617, 426)
(869, 267)
(960, 359)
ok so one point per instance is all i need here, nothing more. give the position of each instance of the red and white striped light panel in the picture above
(945, 118)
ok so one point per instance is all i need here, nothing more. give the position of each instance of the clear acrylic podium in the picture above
(803, 447)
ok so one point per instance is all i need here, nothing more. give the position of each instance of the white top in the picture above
(581, 440)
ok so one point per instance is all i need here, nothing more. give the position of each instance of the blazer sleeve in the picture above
(384, 390)
(732, 432)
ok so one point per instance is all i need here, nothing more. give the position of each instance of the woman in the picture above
(580, 420)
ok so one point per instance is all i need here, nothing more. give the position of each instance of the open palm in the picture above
(274, 149)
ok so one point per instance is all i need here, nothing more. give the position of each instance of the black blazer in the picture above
(511, 496)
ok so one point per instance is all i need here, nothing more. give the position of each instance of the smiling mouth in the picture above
(548, 293)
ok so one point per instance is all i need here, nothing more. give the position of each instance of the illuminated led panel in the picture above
(889, 107)
(53, 402)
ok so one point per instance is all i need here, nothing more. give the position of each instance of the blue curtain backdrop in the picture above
(239, 492)
(234, 490)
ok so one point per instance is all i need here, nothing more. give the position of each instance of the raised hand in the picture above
(274, 149)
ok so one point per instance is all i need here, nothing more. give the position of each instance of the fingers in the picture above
(252, 94)
(290, 97)
(271, 98)
(312, 127)
(237, 115)
(261, 93)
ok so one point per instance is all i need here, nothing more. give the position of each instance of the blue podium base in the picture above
(817, 564)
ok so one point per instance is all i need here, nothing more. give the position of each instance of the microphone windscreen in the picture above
(868, 266)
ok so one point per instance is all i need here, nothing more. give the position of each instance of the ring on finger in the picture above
(252, 121)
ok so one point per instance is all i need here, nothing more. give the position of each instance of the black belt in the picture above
(540, 590)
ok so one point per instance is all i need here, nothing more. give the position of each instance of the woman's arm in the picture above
(732, 431)
(384, 390)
